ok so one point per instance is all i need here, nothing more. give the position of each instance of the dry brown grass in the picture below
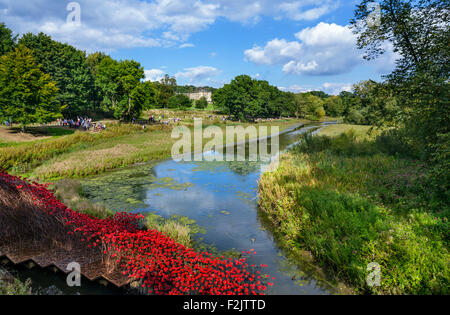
(23, 226)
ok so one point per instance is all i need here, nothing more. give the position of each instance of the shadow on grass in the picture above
(43, 131)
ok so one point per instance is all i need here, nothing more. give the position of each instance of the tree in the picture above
(7, 40)
(320, 94)
(67, 67)
(419, 32)
(149, 91)
(334, 106)
(27, 95)
(202, 103)
(165, 89)
(308, 105)
(179, 101)
(107, 81)
(120, 83)
(93, 61)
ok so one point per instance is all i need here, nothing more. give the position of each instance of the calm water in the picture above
(222, 199)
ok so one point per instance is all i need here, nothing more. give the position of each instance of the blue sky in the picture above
(297, 45)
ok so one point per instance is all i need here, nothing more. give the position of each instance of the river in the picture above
(220, 197)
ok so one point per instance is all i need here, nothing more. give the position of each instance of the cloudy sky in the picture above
(297, 45)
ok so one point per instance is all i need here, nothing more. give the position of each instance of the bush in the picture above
(15, 288)
(202, 103)
(349, 204)
(179, 101)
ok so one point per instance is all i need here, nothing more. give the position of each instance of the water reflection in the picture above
(219, 196)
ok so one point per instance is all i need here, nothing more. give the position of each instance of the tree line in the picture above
(42, 79)
(247, 99)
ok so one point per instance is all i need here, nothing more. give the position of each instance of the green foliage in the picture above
(419, 110)
(15, 288)
(180, 233)
(70, 193)
(184, 89)
(7, 40)
(202, 103)
(27, 95)
(247, 99)
(165, 89)
(309, 106)
(180, 101)
(334, 106)
(119, 82)
(349, 204)
(68, 69)
(23, 157)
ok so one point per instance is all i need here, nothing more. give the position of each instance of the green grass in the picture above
(83, 154)
(69, 192)
(336, 130)
(15, 288)
(349, 205)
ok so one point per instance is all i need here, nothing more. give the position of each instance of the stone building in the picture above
(195, 96)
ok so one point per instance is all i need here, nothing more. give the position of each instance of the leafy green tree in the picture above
(27, 95)
(165, 89)
(7, 40)
(68, 68)
(93, 61)
(350, 102)
(320, 94)
(419, 32)
(309, 106)
(246, 99)
(120, 83)
(180, 101)
(202, 103)
(334, 106)
(107, 81)
(286, 104)
(149, 90)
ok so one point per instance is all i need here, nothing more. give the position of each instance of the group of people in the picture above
(161, 120)
(81, 123)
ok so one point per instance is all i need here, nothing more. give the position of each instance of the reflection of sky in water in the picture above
(221, 197)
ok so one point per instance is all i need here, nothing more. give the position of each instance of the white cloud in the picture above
(327, 87)
(199, 74)
(277, 51)
(112, 24)
(325, 49)
(296, 10)
(336, 88)
(154, 74)
(187, 45)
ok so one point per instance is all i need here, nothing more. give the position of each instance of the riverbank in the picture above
(86, 153)
(118, 249)
(9, 285)
(347, 204)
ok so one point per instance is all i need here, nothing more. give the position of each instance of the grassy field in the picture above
(336, 130)
(69, 154)
(346, 203)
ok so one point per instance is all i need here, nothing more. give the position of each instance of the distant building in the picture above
(195, 96)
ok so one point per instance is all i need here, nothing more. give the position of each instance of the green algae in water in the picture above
(126, 189)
